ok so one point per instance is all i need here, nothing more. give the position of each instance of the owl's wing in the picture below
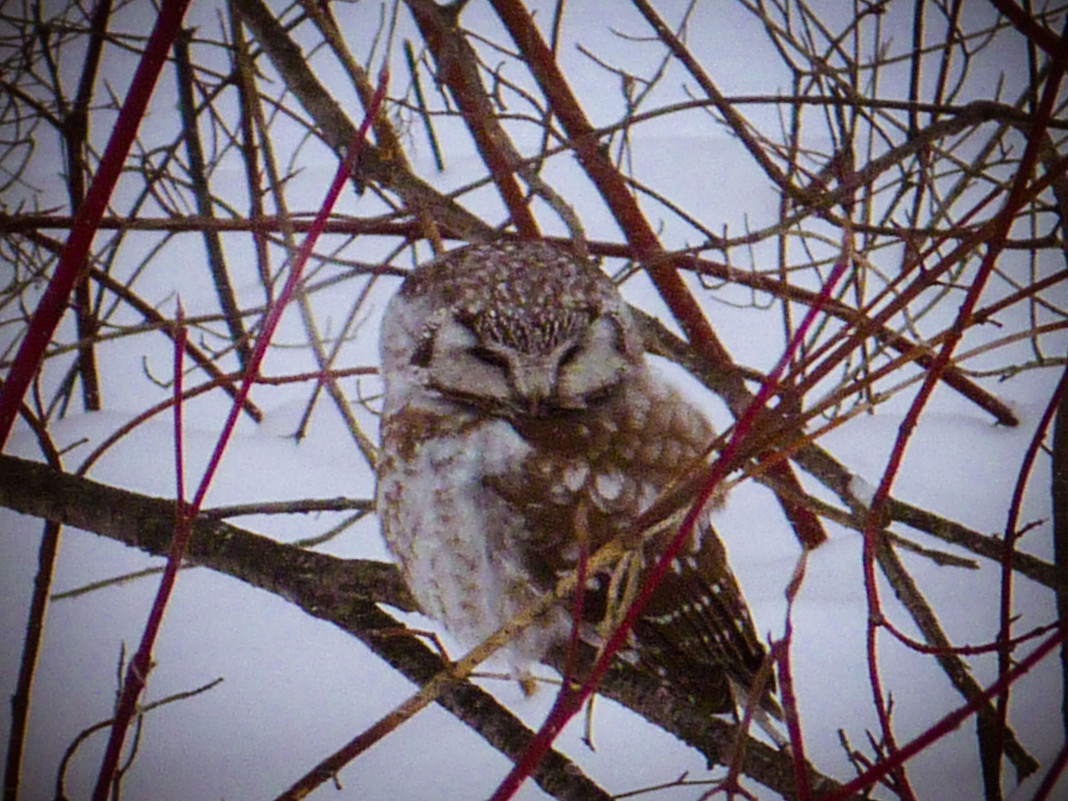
(695, 632)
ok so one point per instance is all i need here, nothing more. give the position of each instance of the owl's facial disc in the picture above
(509, 366)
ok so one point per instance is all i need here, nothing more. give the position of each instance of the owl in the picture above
(518, 401)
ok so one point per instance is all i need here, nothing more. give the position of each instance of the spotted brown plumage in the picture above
(521, 418)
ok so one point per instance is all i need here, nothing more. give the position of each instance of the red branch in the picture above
(949, 723)
(998, 232)
(1012, 533)
(1056, 768)
(54, 301)
(141, 664)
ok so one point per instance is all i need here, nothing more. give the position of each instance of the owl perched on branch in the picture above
(521, 417)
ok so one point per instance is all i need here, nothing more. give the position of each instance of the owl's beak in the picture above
(534, 383)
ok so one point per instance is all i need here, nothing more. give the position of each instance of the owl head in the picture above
(513, 328)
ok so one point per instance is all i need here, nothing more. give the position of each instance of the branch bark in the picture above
(346, 592)
(337, 129)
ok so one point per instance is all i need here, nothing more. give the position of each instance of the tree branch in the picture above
(346, 592)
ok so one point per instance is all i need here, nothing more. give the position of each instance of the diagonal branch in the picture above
(457, 69)
(337, 129)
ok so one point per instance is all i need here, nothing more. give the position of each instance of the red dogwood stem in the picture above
(54, 301)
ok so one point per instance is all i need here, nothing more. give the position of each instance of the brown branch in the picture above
(737, 123)
(157, 320)
(198, 175)
(385, 136)
(244, 76)
(458, 69)
(20, 699)
(337, 130)
(990, 547)
(147, 524)
(346, 592)
(75, 132)
(952, 376)
(267, 223)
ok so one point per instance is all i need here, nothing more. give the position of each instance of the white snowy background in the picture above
(295, 688)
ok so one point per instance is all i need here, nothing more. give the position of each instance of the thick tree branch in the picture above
(147, 524)
(346, 592)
